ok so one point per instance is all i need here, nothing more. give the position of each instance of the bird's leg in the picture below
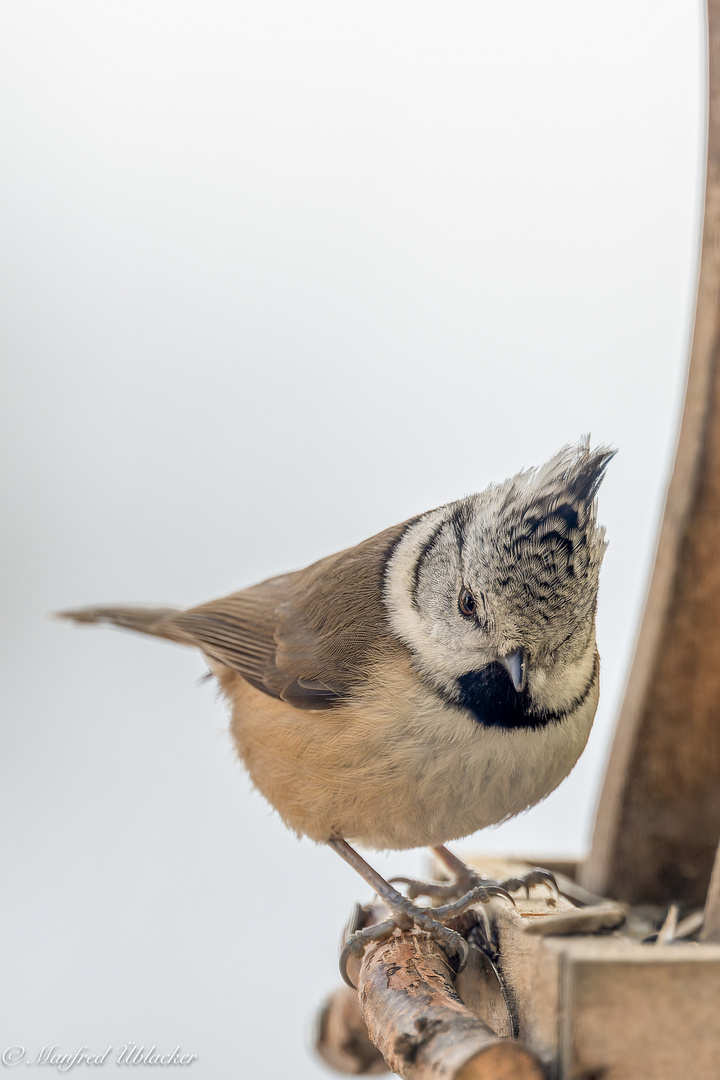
(464, 876)
(465, 879)
(406, 915)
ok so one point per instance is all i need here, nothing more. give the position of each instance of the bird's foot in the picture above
(465, 882)
(434, 890)
(407, 916)
(536, 876)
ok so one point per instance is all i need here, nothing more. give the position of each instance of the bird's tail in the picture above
(154, 621)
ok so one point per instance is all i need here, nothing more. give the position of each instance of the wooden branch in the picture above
(658, 822)
(420, 1024)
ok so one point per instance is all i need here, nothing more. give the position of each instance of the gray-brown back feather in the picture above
(305, 637)
(143, 620)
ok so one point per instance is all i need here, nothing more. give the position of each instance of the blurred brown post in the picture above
(658, 822)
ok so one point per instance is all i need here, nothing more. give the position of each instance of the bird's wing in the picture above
(238, 630)
(305, 637)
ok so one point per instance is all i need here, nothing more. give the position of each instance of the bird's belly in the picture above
(396, 768)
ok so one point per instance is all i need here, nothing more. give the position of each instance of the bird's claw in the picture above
(357, 940)
(469, 883)
(406, 917)
(536, 876)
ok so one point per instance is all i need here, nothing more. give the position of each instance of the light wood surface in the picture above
(658, 822)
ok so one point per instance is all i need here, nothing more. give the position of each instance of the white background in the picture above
(277, 275)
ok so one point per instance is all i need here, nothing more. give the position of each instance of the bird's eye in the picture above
(466, 603)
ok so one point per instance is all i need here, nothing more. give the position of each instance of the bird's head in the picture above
(495, 594)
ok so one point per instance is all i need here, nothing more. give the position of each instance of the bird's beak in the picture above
(516, 666)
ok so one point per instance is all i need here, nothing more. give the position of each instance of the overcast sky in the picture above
(275, 276)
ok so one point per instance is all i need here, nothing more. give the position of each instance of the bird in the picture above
(437, 678)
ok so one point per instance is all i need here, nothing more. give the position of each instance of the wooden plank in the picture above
(606, 1006)
(634, 1012)
(658, 822)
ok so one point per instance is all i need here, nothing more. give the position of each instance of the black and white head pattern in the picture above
(510, 571)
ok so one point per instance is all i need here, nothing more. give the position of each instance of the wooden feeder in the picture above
(586, 998)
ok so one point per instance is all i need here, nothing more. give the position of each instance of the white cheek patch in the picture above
(427, 636)
(400, 583)
(560, 686)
